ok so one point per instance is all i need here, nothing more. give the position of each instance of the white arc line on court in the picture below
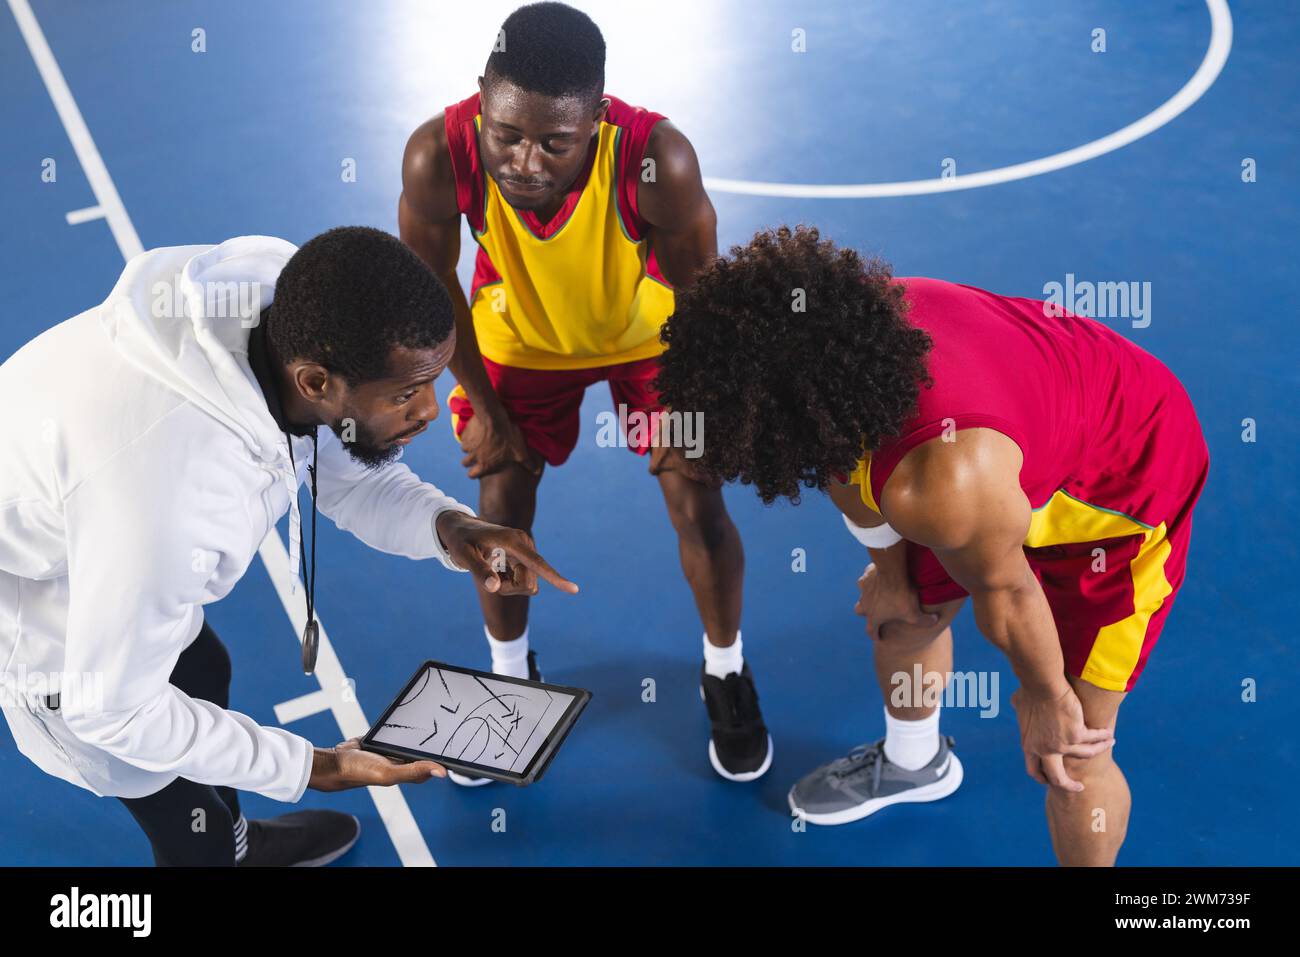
(1216, 55)
(392, 806)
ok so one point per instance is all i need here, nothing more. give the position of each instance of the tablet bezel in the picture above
(541, 760)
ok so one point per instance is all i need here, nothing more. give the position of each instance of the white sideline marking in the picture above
(392, 806)
(304, 706)
(1216, 55)
(78, 216)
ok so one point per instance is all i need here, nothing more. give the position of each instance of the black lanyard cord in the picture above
(311, 631)
(311, 587)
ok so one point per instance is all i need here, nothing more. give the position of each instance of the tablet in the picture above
(478, 723)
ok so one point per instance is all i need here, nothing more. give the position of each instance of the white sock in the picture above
(721, 662)
(911, 744)
(509, 657)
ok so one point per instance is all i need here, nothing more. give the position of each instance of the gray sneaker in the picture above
(864, 781)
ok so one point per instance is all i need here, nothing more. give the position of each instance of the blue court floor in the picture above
(251, 136)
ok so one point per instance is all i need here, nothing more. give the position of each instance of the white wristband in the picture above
(881, 536)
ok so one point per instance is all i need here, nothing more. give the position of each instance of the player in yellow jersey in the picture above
(587, 212)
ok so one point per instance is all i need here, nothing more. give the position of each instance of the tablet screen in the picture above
(474, 718)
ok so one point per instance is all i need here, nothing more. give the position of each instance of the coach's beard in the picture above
(362, 444)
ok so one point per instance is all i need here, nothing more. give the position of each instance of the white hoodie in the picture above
(140, 469)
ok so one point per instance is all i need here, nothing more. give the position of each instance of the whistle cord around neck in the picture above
(309, 580)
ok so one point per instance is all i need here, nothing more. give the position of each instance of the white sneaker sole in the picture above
(929, 792)
(744, 775)
(466, 782)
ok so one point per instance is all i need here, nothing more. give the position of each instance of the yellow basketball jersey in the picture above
(582, 290)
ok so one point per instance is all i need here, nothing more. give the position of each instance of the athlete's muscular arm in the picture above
(963, 500)
(684, 226)
(891, 561)
(428, 218)
(683, 233)
(886, 596)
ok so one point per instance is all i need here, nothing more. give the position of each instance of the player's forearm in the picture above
(684, 254)
(467, 362)
(1018, 621)
(891, 562)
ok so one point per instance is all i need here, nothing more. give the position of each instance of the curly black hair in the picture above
(552, 49)
(351, 295)
(788, 395)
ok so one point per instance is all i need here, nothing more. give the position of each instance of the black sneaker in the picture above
(464, 780)
(300, 839)
(740, 749)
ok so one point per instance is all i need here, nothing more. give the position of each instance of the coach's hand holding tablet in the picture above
(346, 766)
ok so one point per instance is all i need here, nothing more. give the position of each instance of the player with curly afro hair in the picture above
(980, 446)
(799, 356)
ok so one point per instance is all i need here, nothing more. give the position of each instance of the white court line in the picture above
(303, 706)
(78, 216)
(1216, 55)
(340, 692)
(392, 806)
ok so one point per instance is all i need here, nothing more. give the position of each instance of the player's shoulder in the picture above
(669, 145)
(925, 291)
(956, 468)
(652, 131)
(428, 171)
(677, 177)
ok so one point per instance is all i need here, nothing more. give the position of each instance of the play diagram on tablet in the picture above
(474, 718)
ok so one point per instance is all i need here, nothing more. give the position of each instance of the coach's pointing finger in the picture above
(474, 544)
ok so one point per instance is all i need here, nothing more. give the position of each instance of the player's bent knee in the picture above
(705, 527)
(507, 504)
(699, 514)
(1086, 770)
(913, 641)
(501, 512)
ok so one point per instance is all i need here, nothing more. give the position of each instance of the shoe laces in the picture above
(739, 700)
(862, 760)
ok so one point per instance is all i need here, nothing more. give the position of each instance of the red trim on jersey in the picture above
(462, 143)
(556, 223)
(484, 272)
(637, 122)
